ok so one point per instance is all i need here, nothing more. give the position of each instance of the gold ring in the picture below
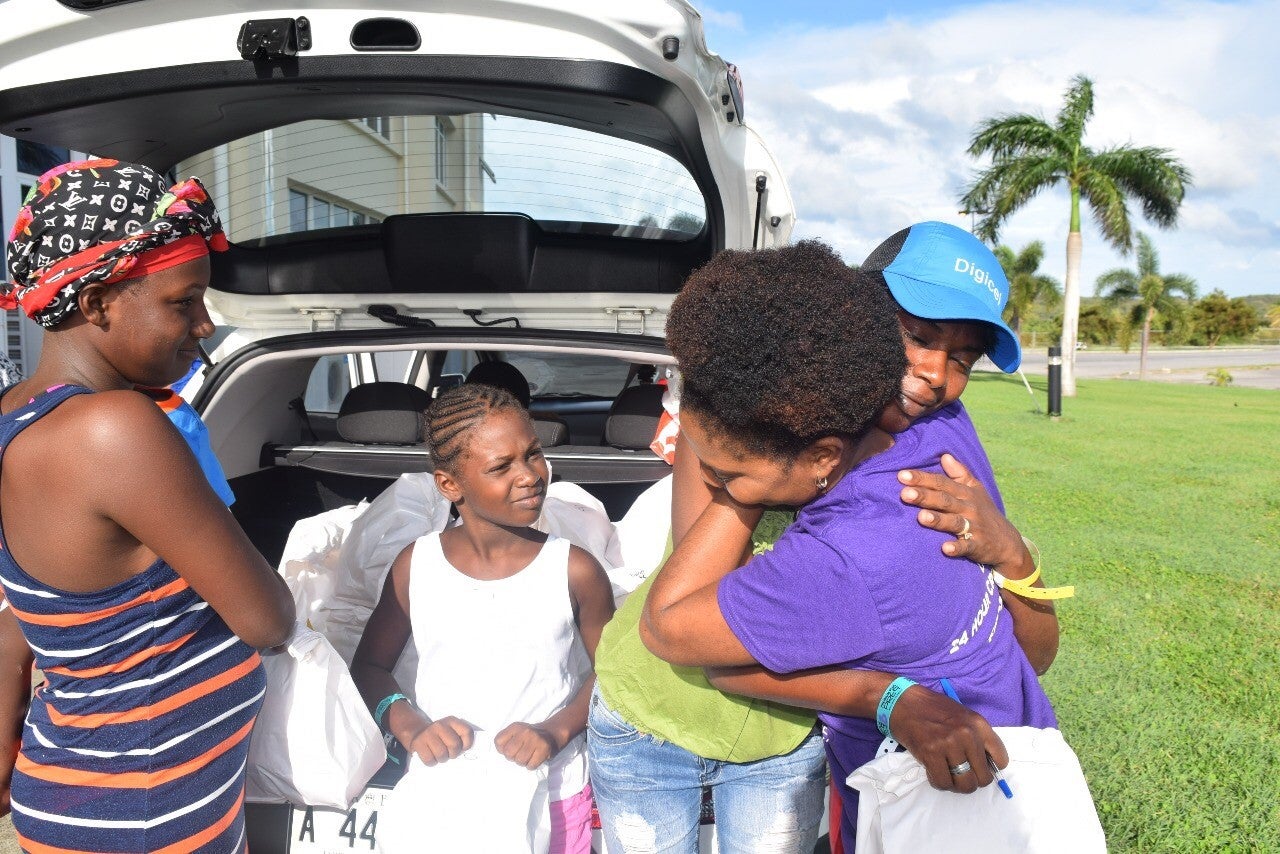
(964, 532)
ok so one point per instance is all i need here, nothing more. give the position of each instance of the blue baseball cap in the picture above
(940, 272)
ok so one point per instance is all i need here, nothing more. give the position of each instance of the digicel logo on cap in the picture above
(980, 276)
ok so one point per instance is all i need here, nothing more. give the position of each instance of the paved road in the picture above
(1251, 367)
(8, 842)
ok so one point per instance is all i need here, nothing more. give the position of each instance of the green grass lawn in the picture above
(1161, 503)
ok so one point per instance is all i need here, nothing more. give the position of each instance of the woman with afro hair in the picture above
(794, 386)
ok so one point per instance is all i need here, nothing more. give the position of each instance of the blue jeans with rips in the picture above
(649, 793)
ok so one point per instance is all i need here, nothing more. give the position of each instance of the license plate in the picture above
(315, 830)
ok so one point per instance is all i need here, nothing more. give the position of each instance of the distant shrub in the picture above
(1220, 377)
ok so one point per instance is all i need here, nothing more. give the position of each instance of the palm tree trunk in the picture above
(1146, 336)
(1071, 304)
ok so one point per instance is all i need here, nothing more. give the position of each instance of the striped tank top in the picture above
(137, 740)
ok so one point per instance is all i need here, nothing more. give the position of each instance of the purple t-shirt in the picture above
(857, 581)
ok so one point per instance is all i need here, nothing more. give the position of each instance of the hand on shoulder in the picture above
(956, 502)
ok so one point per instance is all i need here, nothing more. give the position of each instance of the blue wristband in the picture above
(383, 705)
(888, 700)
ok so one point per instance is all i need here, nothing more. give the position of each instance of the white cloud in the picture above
(727, 20)
(871, 121)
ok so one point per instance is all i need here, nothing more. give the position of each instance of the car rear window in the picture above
(326, 174)
(571, 375)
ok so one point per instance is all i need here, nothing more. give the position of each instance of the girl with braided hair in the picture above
(505, 621)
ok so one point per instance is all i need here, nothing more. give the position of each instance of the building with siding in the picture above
(306, 176)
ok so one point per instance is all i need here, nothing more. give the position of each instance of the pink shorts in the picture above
(571, 824)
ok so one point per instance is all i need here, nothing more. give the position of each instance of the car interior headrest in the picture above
(550, 430)
(633, 418)
(502, 375)
(383, 413)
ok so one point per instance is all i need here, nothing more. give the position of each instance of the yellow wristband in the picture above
(1024, 586)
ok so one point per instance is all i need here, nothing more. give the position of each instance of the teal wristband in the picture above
(383, 705)
(888, 700)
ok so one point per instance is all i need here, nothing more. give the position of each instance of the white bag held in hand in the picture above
(1050, 811)
(315, 742)
(481, 802)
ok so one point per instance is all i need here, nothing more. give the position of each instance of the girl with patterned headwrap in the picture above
(144, 622)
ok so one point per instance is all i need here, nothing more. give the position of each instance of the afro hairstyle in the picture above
(780, 347)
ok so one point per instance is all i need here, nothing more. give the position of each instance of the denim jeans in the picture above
(649, 793)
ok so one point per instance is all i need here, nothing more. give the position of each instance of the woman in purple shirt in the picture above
(782, 406)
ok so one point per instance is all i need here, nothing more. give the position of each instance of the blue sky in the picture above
(869, 107)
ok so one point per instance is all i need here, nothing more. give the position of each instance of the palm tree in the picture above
(1029, 155)
(1026, 286)
(1150, 290)
(1273, 316)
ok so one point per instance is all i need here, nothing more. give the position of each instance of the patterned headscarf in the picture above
(102, 221)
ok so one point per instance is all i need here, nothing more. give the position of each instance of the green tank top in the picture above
(679, 705)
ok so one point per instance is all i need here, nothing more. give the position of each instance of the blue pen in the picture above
(991, 763)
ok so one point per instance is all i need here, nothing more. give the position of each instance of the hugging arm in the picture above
(682, 622)
(937, 731)
(947, 501)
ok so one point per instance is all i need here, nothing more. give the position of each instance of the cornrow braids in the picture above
(452, 415)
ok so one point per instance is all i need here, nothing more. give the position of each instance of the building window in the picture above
(308, 212)
(441, 142)
(297, 211)
(380, 125)
(23, 190)
(13, 339)
(35, 158)
(319, 213)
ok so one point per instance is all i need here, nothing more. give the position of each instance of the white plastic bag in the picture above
(409, 508)
(1050, 811)
(642, 538)
(309, 563)
(481, 802)
(315, 742)
(573, 514)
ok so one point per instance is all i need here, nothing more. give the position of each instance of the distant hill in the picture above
(1262, 302)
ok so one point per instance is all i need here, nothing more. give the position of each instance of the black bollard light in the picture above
(1055, 382)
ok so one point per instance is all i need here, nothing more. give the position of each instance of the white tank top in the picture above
(496, 652)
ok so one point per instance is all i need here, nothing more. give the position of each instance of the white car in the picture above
(411, 189)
